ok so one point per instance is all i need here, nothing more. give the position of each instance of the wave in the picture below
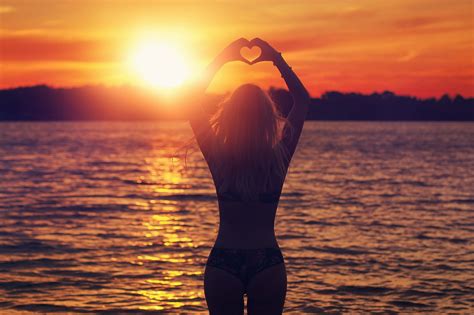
(338, 250)
(408, 304)
(34, 263)
(423, 236)
(364, 290)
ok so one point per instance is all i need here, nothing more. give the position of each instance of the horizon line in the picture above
(103, 85)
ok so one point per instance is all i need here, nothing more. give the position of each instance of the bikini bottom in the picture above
(244, 263)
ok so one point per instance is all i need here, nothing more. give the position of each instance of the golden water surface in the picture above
(96, 217)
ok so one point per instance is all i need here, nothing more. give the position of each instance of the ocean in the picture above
(109, 217)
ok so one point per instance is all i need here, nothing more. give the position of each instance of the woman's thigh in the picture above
(224, 292)
(266, 291)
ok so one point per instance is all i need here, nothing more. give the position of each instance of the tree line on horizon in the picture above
(44, 103)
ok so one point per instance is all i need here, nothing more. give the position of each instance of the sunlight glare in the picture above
(160, 64)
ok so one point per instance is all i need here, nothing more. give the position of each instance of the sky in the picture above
(422, 48)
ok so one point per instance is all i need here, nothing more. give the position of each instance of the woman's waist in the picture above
(247, 230)
(245, 238)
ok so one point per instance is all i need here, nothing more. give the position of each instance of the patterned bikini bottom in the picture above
(244, 263)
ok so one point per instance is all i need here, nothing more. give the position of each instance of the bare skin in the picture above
(249, 225)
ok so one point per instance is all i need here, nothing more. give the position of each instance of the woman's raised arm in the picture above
(301, 97)
(198, 118)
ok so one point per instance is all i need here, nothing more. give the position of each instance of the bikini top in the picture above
(271, 197)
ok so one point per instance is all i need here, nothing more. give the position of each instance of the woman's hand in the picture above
(268, 52)
(232, 52)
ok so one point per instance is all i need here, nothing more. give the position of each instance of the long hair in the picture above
(247, 152)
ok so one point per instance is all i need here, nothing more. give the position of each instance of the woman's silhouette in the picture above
(248, 146)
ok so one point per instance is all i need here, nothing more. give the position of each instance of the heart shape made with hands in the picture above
(250, 53)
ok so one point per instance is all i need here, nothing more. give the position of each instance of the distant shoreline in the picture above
(183, 121)
(97, 103)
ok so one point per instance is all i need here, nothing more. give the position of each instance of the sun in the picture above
(160, 64)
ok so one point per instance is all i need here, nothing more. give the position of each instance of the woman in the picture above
(248, 155)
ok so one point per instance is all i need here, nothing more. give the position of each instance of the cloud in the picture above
(291, 44)
(6, 9)
(416, 22)
(53, 22)
(44, 48)
(4, 32)
(410, 55)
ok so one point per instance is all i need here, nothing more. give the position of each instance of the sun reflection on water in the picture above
(165, 282)
(170, 299)
(169, 274)
(166, 258)
(168, 229)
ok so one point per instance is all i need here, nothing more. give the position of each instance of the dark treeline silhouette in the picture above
(381, 106)
(130, 103)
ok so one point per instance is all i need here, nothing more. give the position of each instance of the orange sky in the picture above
(416, 47)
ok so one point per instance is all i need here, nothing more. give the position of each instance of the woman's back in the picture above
(248, 224)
